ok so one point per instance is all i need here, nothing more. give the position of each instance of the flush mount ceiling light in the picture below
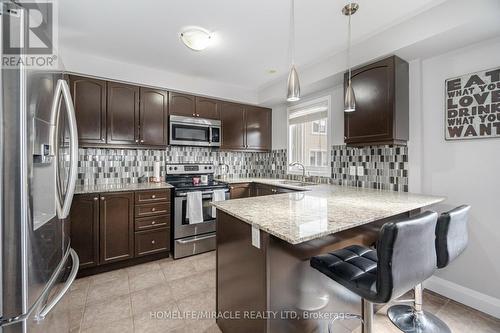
(293, 90)
(197, 39)
(349, 100)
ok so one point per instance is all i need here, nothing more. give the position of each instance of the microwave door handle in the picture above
(210, 135)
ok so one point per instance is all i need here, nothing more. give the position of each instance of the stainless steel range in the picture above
(193, 238)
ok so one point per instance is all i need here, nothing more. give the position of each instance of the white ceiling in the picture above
(252, 35)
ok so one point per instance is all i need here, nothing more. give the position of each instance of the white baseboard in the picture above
(469, 297)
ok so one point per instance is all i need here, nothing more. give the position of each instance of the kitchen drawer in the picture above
(152, 241)
(145, 223)
(151, 196)
(153, 209)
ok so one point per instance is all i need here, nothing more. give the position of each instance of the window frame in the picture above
(318, 132)
(303, 105)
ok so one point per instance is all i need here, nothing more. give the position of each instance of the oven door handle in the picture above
(192, 240)
(202, 193)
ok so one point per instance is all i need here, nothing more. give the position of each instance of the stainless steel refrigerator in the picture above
(38, 169)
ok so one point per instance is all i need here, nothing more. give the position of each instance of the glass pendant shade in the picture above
(350, 99)
(293, 91)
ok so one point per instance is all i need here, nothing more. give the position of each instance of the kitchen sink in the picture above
(296, 183)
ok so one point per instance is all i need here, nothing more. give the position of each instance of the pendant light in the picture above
(350, 99)
(293, 91)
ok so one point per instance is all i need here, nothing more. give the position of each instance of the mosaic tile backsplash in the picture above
(115, 166)
(385, 167)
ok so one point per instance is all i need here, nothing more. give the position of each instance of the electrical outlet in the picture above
(361, 171)
(352, 170)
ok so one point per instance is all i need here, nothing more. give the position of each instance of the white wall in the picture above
(465, 171)
(82, 63)
(336, 128)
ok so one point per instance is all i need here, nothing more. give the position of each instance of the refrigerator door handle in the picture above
(74, 269)
(46, 309)
(63, 88)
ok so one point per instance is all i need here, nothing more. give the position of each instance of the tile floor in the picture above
(122, 301)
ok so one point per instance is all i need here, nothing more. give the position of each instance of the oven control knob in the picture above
(175, 168)
(169, 168)
(210, 168)
(205, 168)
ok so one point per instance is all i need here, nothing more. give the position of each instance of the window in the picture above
(319, 127)
(308, 137)
(317, 158)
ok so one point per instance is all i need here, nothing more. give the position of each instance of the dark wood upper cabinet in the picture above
(233, 126)
(258, 128)
(123, 114)
(182, 105)
(381, 90)
(84, 226)
(116, 226)
(153, 124)
(89, 98)
(207, 108)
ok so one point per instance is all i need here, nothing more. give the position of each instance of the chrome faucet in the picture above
(302, 166)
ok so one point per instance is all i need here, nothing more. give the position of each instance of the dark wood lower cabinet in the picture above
(116, 226)
(243, 190)
(84, 222)
(107, 234)
(261, 189)
(151, 241)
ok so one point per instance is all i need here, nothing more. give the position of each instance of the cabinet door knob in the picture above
(136, 141)
(103, 198)
(142, 141)
(153, 209)
(194, 114)
(153, 196)
(96, 198)
(152, 242)
(153, 222)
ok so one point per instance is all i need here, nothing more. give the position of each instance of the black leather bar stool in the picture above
(451, 239)
(405, 257)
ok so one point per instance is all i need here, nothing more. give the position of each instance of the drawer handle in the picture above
(152, 242)
(153, 196)
(153, 209)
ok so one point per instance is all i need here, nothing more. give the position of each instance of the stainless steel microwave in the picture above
(187, 131)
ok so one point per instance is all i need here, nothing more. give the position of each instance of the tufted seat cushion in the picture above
(354, 267)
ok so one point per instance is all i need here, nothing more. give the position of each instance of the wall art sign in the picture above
(473, 106)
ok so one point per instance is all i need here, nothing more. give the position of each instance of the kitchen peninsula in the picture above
(270, 272)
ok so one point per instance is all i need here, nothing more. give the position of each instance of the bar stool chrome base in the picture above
(408, 320)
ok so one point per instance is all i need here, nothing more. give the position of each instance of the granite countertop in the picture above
(82, 189)
(268, 181)
(319, 210)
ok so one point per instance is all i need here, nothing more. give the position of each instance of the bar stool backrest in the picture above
(406, 255)
(451, 235)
